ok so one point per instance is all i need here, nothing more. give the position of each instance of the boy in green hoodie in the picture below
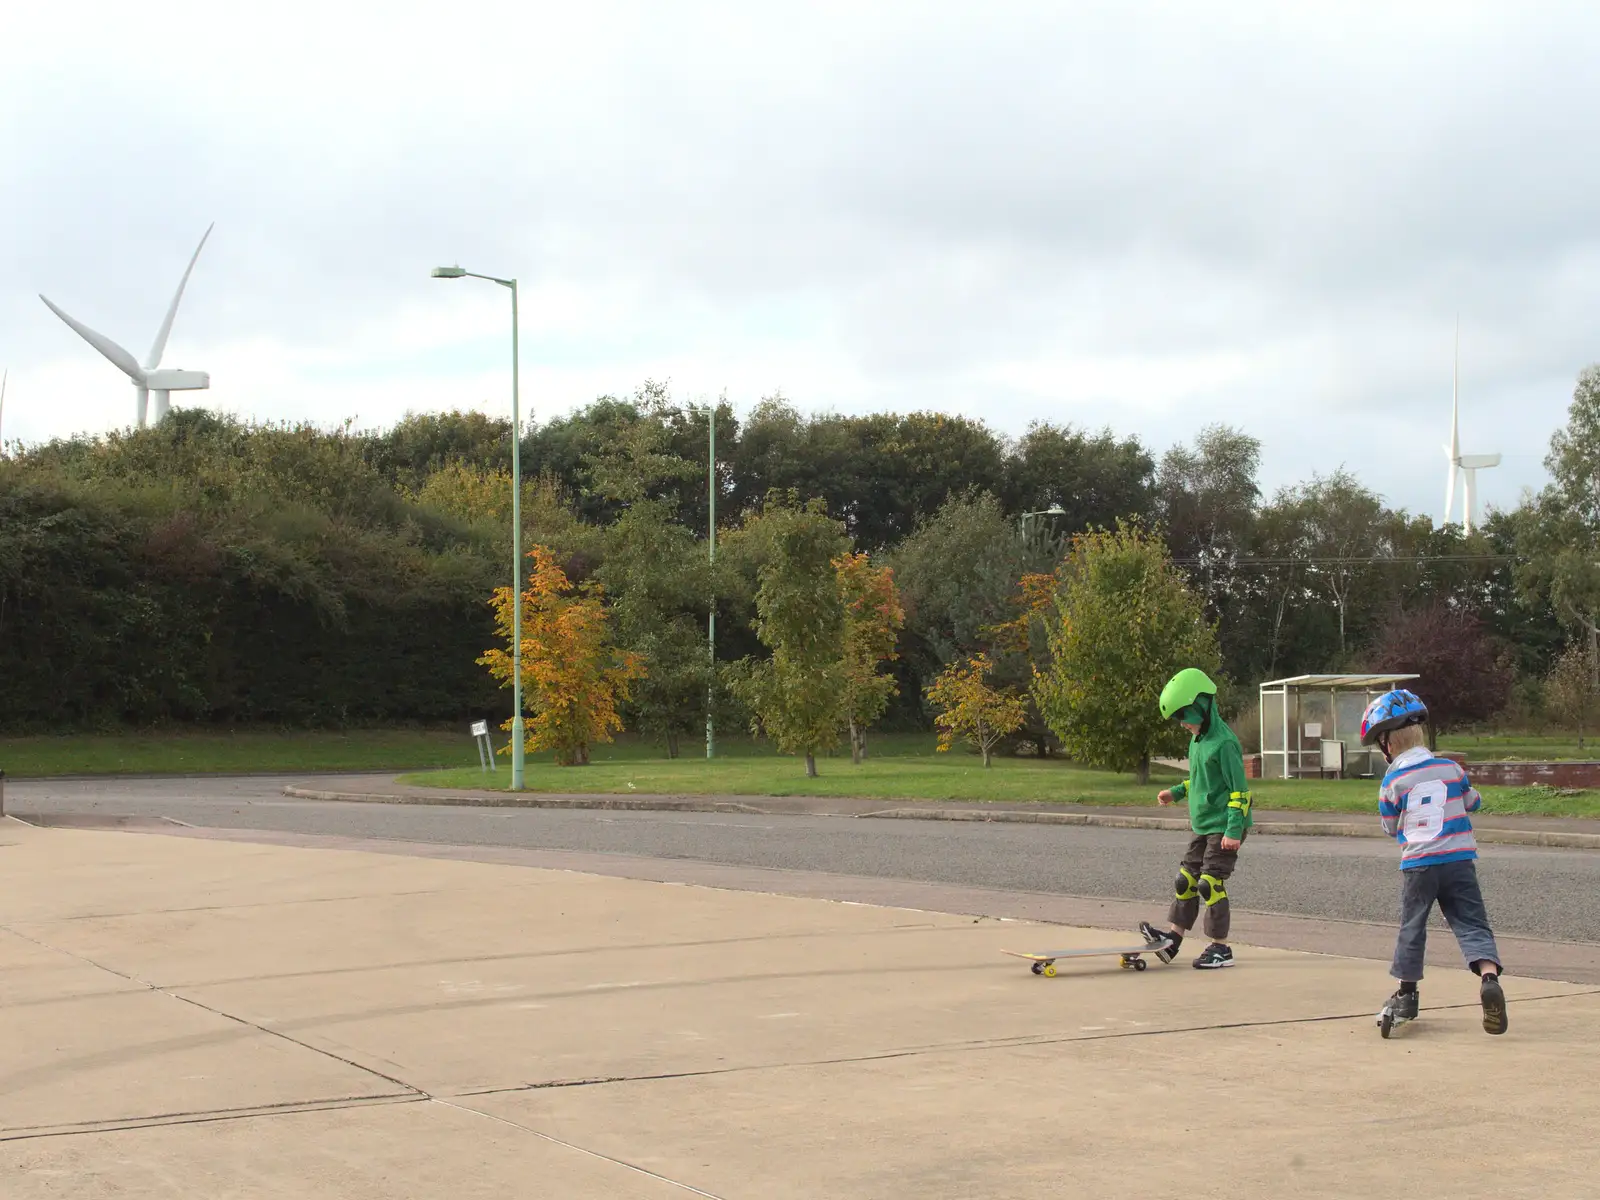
(1219, 814)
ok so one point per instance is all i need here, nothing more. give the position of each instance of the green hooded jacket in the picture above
(1217, 790)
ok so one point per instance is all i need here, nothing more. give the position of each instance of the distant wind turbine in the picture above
(1468, 465)
(148, 377)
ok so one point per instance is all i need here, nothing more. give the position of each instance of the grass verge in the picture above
(246, 751)
(957, 778)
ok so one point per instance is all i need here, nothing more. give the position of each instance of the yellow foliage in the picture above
(970, 710)
(573, 675)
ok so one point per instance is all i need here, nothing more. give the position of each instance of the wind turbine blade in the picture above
(1450, 494)
(4, 376)
(157, 350)
(124, 361)
(1455, 403)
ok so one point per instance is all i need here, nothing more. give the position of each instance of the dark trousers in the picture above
(1455, 887)
(1204, 857)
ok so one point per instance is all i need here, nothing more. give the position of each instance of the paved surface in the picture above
(187, 1016)
(1531, 892)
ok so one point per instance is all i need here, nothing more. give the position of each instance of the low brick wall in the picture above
(1521, 774)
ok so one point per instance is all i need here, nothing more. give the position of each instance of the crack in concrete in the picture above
(22, 1133)
(620, 1162)
(226, 1016)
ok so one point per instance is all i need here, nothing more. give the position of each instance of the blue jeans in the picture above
(1454, 886)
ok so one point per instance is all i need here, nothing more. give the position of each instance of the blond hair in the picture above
(1407, 737)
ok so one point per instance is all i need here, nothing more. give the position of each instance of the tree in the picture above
(1343, 526)
(1559, 544)
(573, 677)
(656, 572)
(1464, 677)
(872, 620)
(1207, 499)
(958, 573)
(1125, 622)
(1569, 692)
(799, 696)
(1094, 478)
(969, 709)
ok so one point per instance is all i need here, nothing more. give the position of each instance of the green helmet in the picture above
(1183, 688)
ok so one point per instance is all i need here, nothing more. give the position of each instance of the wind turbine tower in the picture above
(148, 377)
(1466, 465)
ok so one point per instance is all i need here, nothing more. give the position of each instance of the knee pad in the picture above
(1211, 890)
(1184, 885)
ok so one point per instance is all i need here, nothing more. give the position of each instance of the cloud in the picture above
(1147, 217)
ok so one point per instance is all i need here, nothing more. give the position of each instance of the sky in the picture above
(1147, 217)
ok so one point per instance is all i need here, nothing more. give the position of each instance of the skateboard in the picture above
(1045, 964)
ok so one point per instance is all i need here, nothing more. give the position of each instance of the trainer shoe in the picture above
(1493, 999)
(1151, 934)
(1214, 957)
(1402, 1006)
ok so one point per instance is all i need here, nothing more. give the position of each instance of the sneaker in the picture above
(1402, 1006)
(1214, 957)
(1151, 934)
(1493, 999)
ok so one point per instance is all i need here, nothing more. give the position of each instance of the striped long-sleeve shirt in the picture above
(1423, 803)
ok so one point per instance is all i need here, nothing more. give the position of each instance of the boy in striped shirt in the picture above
(1423, 804)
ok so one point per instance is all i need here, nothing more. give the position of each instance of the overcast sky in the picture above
(1143, 216)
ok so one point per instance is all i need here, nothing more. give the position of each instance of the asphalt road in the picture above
(1530, 892)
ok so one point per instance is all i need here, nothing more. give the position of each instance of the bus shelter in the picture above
(1311, 725)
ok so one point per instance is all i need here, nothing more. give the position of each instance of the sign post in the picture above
(480, 734)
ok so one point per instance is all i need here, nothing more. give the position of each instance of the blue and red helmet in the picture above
(1391, 711)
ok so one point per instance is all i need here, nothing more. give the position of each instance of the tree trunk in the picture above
(858, 748)
(986, 749)
(672, 745)
(1144, 769)
(811, 765)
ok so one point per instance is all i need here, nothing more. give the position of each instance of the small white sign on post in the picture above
(480, 733)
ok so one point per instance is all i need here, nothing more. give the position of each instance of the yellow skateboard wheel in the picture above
(1049, 970)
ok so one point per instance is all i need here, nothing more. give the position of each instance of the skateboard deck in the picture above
(1044, 964)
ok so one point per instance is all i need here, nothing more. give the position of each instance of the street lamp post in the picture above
(711, 620)
(517, 753)
(1055, 510)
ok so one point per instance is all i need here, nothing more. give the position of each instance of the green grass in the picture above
(899, 767)
(1492, 747)
(182, 752)
(905, 767)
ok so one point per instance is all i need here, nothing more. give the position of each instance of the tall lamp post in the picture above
(711, 620)
(517, 753)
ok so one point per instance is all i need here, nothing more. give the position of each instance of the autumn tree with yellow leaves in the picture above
(573, 674)
(970, 710)
(873, 616)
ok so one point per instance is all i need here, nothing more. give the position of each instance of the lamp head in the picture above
(448, 272)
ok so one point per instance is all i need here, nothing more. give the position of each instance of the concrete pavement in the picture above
(187, 1015)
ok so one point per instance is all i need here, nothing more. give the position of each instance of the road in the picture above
(1531, 892)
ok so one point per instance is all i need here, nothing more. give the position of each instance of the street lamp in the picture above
(517, 754)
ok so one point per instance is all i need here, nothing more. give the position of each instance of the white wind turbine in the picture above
(149, 377)
(1467, 465)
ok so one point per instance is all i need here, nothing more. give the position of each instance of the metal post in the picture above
(516, 557)
(711, 619)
